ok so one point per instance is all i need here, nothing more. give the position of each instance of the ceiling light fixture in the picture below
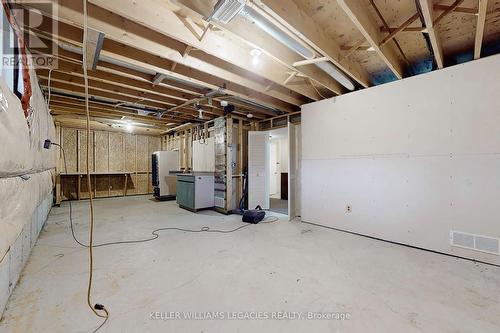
(255, 53)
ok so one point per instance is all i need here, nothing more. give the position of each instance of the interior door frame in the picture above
(293, 170)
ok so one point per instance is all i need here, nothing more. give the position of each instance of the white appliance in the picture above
(164, 166)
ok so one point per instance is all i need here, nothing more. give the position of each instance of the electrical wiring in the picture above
(270, 219)
(96, 308)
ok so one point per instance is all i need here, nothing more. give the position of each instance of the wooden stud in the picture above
(396, 31)
(428, 13)
(481, 19)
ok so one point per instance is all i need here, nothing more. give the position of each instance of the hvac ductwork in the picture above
(278, 34)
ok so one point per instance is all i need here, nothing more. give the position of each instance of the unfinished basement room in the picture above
(221, 166)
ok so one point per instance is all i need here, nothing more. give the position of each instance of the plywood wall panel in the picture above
(142, 183)
(82, 151)
(101, 186)
(129, 141)
(101, 151)
(116, 152)
(69, 188)
(116, 185)
(153, 145)
(111, 152)
(84, 194)
(150, 183)
(142, 153)
(132, 185)
(70, 144)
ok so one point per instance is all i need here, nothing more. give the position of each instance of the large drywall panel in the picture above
(408, 161)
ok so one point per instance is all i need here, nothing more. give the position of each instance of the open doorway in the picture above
(278, 170)
(274, 170)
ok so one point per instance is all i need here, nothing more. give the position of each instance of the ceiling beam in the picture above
(481, 20)
(298, 22)
(162, 51)
(94, 44)
(120, 77)
(158, 17)
(102, 124)
(429, 14)
(248, 33)
(361, 17)
(59, 107)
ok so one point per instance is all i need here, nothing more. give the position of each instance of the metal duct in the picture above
(294, 45)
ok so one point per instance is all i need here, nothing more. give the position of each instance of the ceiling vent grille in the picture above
(475, 242)
(225, 10)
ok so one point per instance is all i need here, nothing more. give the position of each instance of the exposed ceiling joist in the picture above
(429, 14)
(247, 32)
(159, 17)
(366, 24)
(481, 20)
(396, 31)
(95, 39)
(294, 19)
(206, 71)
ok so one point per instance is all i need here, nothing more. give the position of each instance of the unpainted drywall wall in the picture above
(408, 161)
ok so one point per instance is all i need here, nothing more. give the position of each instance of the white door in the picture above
(293, 170)
(258, 169)
(273, 164)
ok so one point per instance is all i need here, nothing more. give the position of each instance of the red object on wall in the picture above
(25, 100)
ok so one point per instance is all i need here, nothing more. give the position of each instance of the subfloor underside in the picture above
(263, 272)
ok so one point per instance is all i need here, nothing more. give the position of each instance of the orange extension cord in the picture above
(97, 308)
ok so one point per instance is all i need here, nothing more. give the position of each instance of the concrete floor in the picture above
(278, 206)
(282, 266)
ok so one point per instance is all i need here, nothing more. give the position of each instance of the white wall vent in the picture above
(219, 202)
(475, 242)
